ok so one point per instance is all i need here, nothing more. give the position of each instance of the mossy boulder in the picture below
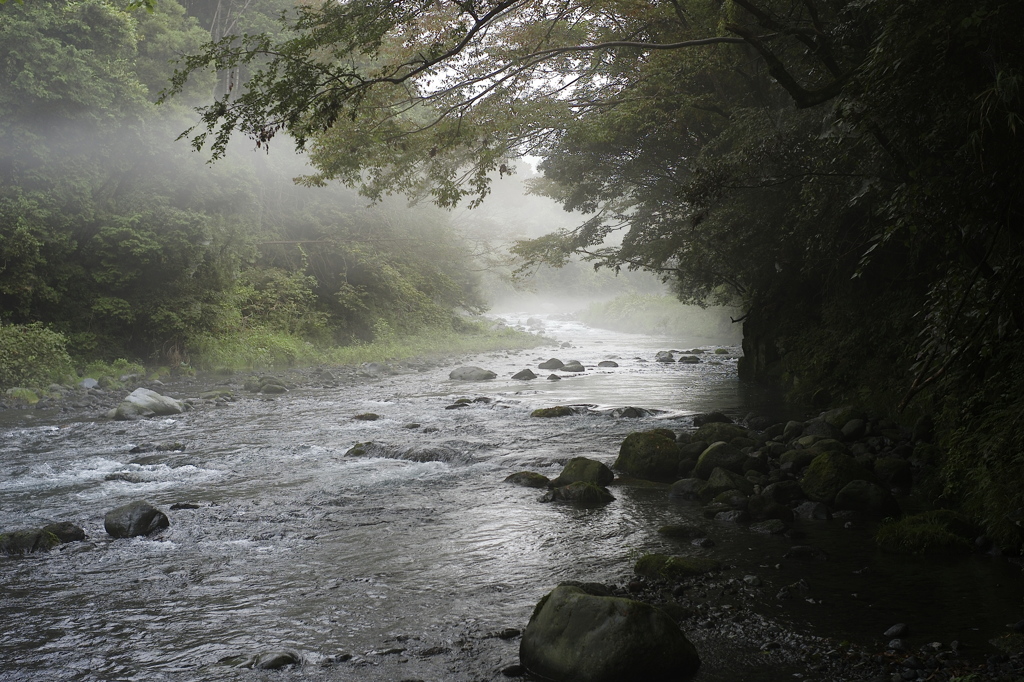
(840, 416)
(528, 479)
(674, 568)
(717, 431)
(941, 531)
(574, 636)
(796, 460)
(721, 481)
(894, 471)
(586, 470)
(867, 498)
(470, 373)
(719, 455)
(829, 445)
(28, 541)
(557, 411)
(25, 395)
(581, 493)
(653, 455)
(65, 531)
(829, 473)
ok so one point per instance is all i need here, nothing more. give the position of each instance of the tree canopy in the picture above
(843, 169)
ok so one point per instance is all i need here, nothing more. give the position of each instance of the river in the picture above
(409, 565)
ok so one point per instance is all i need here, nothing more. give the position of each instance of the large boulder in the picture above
(719, 455)
(573, 366)
(586, 470)
(134, 518)
(142, 402)
(721, 481)
(664, 356)
(27, 541)
(574, 636)
(553, 363)
(524, 375)
(829, 473)
(470, 373)
(651, 455)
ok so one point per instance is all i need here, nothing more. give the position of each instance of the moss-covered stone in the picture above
(839, 416)
(28, 541)
(721, 481)
(25, 395)
(674, 568)
(719, 455)
(797, 459)
(358, 450)
(651, 455)
(934, 532)
(528, 479)
(717, 431)
(586, 470)
(829, 473)
(869, 499)
(574, 636)
(557, 411)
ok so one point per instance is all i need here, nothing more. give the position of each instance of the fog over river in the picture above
(410, 565)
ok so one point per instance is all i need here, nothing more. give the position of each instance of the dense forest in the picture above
(117, 241)
(845, 171)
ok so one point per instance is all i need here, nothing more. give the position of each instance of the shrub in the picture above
(32, 355)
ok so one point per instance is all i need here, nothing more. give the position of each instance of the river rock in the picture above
(867, 498)
(719, 455)
(65, 531)
(554, 377)
(470, 373)
(690, 489)
(274, 660)
(783, 492)
(586, 470)
(553, 363)
(689, 360)
(607, 363)
(524, 375)
(573, 366)
(674, 568)
(630, 412)
(664, 356)
(134, 518)
(840, 416)
(578, 637)
(721, 481)
(820, 427)
(581, 492)
(652, 455)
(27, 541)
(894, 471)
(142, 402)
(716, 431)
(556, 411)
(829, 473)
(528, 479)
(700, 420)
(814, 511)
(792, 430)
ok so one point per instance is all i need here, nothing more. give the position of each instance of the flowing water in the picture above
(412, 559)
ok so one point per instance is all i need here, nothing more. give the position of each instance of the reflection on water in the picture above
(409, 566)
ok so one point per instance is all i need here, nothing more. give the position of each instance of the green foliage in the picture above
(935, 532)
(662, 315)
(118, 368)
(32, 356)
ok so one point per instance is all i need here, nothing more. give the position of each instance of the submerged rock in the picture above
(581, 492)
(578, 637)
(557, 411)
(27, 541)
(528, 479)
(134, 518)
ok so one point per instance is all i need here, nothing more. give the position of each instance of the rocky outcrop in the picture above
(574, 636)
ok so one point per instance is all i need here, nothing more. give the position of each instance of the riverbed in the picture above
(418, 562)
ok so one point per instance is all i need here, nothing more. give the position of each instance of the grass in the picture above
(262, 349)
